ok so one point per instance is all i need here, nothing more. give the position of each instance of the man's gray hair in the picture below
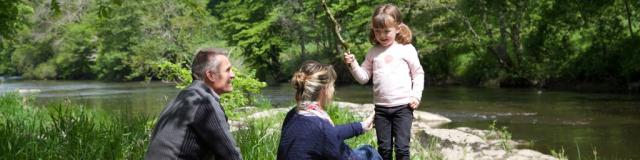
(204, 60)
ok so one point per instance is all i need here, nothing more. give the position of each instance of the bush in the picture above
(245, 90)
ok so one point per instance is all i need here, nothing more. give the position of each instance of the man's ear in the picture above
(211, 76)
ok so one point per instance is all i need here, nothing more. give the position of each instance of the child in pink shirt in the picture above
(398, 79)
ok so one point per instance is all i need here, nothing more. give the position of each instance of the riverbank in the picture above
(63, 131)
(459, 143)
(428, 140)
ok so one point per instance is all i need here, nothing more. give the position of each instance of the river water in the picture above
(580, 123)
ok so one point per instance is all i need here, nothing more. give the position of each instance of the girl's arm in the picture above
(362, 74)
(416, 73)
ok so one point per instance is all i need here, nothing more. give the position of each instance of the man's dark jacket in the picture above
(193, 126)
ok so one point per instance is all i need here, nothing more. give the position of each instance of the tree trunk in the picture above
(303, 40)
(516, 42)
(501, 48)
(627, 8)
(494, 47)
(275, 64)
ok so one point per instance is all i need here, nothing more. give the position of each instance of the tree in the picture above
(12, 17)
(253, 27)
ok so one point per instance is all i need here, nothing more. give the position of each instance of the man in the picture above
(194, 125)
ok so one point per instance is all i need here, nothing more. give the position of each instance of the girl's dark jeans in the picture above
(393, 129)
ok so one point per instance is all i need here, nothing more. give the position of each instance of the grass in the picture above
(430, 151)
(261, 137)
(64, 131)
(559, 154)
(503, 134)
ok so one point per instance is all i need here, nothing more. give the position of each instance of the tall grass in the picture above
(259, 140)
(65, 131)
(421, 150)
(503, 135)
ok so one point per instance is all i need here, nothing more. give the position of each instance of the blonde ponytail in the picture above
(404, 35)
(312, 78)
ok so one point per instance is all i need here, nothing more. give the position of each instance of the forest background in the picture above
(567, 44)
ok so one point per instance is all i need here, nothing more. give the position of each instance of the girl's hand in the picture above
(367, 124)
(415, 103)
(348, 58)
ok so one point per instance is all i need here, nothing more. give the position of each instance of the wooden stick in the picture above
(336, 27)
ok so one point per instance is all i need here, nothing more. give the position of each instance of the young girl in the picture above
(398, 79)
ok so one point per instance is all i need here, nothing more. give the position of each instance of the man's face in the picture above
(223, 76)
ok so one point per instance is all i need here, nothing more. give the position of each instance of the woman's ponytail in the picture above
(311, 78)
(298, 82)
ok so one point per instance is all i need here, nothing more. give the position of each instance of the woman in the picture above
(308, 132)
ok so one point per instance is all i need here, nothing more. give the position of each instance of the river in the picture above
(586, 122)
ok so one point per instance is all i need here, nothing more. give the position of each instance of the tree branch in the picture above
(336, 27)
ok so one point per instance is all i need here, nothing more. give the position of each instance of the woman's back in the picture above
(307, 131)
(311, 137)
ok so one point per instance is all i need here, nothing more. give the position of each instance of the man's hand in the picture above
(414, 103)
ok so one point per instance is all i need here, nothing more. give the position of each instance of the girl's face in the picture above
(385, 36)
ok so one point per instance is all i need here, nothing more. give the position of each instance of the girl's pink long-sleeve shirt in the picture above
(396, 71)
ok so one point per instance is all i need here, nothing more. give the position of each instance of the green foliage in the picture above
(12, 17)
(254, 27)
(559, 154)
(64, 131)
(72, 59)
(246, 89)
(107, 40)
(504, 136)
(512, 43)
(110, 66)
(173, 72)
(171, 34)
(261, 137)
(5, 56)
(526, 43)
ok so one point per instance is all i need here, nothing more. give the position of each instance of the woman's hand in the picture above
(348, 58)
(415, 103)
(367, 124)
